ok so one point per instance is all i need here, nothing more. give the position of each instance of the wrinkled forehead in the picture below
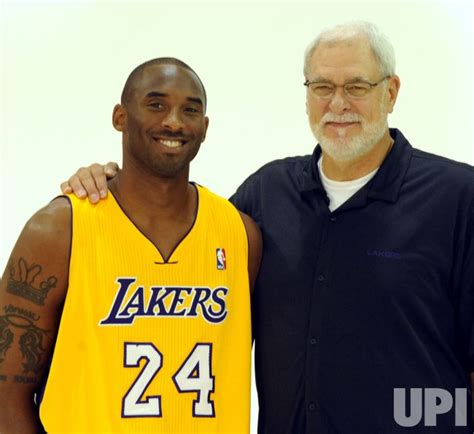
(170, 79)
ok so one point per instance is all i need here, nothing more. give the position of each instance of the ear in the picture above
(206, 125)
(119, 118)
(393, 88)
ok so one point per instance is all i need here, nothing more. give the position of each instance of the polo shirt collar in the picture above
(386, 183)
(388, 180)
(311, 180)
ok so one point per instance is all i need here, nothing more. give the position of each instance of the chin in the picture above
(345, 148)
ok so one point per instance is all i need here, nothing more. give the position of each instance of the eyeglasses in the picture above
(353, 89)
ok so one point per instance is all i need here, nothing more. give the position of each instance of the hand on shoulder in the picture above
(91, 182)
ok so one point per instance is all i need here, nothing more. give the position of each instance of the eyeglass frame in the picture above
(307, 83)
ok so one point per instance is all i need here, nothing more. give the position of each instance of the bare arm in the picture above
(91, 181)
(254, 236)
(32, 292)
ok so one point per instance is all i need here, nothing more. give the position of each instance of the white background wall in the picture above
(64, 64)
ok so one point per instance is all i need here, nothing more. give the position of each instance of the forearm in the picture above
(18, 415)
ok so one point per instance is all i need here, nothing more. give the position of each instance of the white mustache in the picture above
(346, 117)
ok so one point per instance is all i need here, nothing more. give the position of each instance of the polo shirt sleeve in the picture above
(247, 197)
(465, 290)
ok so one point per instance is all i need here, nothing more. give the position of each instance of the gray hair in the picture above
(379, 43)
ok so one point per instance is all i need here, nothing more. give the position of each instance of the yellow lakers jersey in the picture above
(148, 346)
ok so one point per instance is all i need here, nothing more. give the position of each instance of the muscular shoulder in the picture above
(53, 219)
(41, 253)
(51, 224)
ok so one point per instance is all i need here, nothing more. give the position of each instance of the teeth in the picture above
(170, 143)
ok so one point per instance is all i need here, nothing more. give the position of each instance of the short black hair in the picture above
(136, 73)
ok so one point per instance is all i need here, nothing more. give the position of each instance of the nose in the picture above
(173, 121)
(339, 102)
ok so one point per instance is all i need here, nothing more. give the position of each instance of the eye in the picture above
(192, 110)
(357, 89)
(322, 89)
(156, 105)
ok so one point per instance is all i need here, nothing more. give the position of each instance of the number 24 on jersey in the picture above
(199, 361)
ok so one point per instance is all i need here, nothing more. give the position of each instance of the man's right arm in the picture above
(32, 293)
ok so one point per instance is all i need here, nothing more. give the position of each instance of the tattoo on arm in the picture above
(21, 322)
(21, 282)
(6, 337)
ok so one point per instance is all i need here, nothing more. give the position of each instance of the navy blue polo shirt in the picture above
(377, 295)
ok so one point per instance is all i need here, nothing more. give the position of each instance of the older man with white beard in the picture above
(366, 289)
(363, 312)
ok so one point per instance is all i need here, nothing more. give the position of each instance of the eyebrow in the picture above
(156, 94)
(352, 80)
(195, 99)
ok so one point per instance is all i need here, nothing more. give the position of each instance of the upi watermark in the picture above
(426, 404)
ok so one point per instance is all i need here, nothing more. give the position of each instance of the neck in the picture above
(152, 195)
(360, 166)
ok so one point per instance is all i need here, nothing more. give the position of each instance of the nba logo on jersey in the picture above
(220, 255)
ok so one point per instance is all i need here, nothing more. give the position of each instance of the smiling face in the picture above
(163, 122)
(348, 128)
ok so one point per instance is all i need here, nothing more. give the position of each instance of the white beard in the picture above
(345, 148)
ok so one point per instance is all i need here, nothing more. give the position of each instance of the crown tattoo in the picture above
(21, 282)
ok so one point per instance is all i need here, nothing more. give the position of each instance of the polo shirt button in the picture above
(333, 219)
(321, 278)
(312, 341)
(312, 406)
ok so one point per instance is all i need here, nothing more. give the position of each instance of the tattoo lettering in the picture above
(3, 378)
(21, 282)
(24, 380)
(26, 313)
(30, 340)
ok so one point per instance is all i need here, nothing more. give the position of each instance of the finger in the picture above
(111, 169)
(66, 188)
(77, 187)
(97, 173)
(87, 182)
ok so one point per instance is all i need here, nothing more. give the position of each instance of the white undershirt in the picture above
(340, 191)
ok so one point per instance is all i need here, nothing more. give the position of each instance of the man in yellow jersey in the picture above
(133, 315)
